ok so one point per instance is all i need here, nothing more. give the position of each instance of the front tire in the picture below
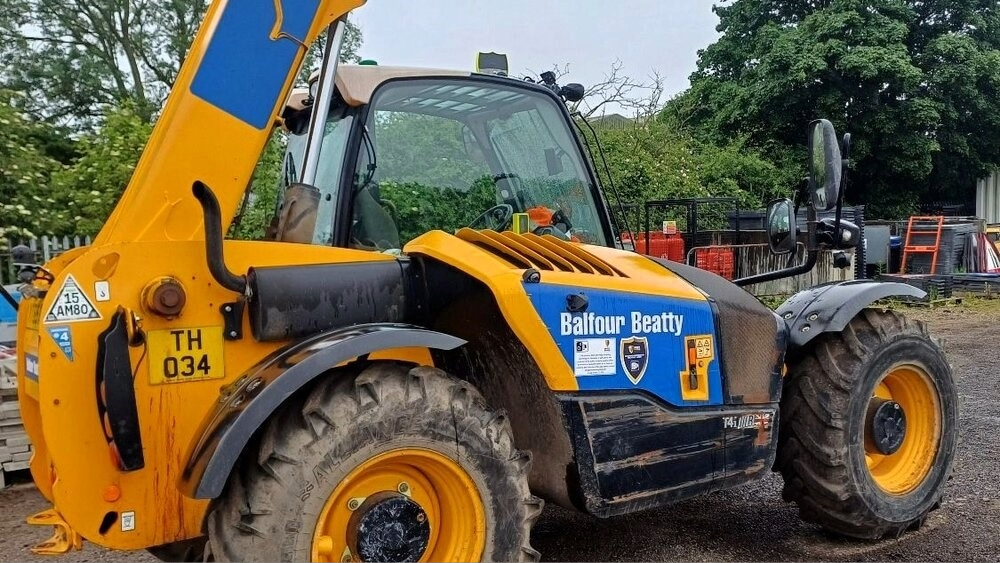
(394, 464)
(869, 427)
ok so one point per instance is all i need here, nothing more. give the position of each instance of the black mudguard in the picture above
(829, 307)
(249, 401)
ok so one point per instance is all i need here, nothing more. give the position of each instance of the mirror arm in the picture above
(811, 257)
(812, 254)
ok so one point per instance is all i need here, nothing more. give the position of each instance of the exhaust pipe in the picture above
(213, 240)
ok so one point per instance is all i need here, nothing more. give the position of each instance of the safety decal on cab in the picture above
(64, 340)
(71, 305)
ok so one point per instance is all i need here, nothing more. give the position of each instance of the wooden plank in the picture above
(21, 440)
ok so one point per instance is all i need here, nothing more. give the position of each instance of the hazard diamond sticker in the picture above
(72, 304)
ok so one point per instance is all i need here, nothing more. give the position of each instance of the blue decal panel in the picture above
(633, 341)
(243, 69)
(64, 339)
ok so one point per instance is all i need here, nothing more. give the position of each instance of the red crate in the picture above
(720, 260)
(670, 247)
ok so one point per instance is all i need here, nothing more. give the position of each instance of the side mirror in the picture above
(781, 226)
(825, 166)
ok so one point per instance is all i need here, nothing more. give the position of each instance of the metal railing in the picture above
(45, 248)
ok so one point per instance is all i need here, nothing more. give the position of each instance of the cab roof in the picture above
(357, 82)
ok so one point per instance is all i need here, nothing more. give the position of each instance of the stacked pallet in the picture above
(937, 287)
(951, 249)
(15, 448)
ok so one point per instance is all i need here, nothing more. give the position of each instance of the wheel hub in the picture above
(389, 526)
(886, 425)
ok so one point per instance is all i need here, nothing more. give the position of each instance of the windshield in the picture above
(450, 153)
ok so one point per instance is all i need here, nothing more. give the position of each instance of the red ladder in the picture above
(922, 226)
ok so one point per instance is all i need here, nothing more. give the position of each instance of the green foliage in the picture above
(78, 59)
(418, 209)
(262, 197)
(86, 191)
(915, 82)
(26, 171)
(655, 160)
(424, 149)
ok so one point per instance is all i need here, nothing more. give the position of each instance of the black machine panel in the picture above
(634, 453)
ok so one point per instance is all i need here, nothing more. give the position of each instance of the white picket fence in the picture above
(45, 248)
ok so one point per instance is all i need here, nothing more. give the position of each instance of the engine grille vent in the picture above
(544, 252)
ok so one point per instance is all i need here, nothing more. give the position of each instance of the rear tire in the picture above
(841, 466)
(336, 468)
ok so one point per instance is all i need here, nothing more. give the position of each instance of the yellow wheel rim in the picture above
(905, 469)
(443, 490)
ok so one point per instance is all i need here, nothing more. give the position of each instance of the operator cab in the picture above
(406, 151)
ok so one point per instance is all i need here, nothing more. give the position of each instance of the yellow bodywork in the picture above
(73, 466)
(149, 235)
(155, 234)
(60, 412)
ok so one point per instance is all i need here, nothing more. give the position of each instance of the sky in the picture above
(647, 36)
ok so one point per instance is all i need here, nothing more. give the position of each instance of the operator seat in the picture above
(373, 227)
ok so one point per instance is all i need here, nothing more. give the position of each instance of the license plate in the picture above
(185, 354)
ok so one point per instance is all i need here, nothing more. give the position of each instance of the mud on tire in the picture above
(276, 494)
(826, 454)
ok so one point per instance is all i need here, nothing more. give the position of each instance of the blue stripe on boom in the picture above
(244, 70)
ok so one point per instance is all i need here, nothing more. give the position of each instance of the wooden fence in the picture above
(45, 248)
(752, 259)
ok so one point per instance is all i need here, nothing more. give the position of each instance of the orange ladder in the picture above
(918, 225)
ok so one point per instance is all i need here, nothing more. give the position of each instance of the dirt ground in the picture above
(750, 523)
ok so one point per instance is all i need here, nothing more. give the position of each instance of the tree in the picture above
(25, 174)
(84, 193)
(656, 160)
(641, 98)
(353, 38)
(259, 202)
(77, 59)
(916, 82)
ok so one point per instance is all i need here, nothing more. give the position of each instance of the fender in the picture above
(829, 307)
(245, 404)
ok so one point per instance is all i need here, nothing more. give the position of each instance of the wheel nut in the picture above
(353, 504)
(404, 488)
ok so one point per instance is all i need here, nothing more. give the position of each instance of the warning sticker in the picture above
(72, 304)
(595, 356)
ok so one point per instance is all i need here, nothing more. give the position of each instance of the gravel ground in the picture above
(750, 523)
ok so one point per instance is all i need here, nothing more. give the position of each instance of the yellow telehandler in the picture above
(443, 332)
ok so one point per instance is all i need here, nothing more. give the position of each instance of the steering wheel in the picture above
(495, 218)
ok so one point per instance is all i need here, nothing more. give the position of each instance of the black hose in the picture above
(213, 240)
